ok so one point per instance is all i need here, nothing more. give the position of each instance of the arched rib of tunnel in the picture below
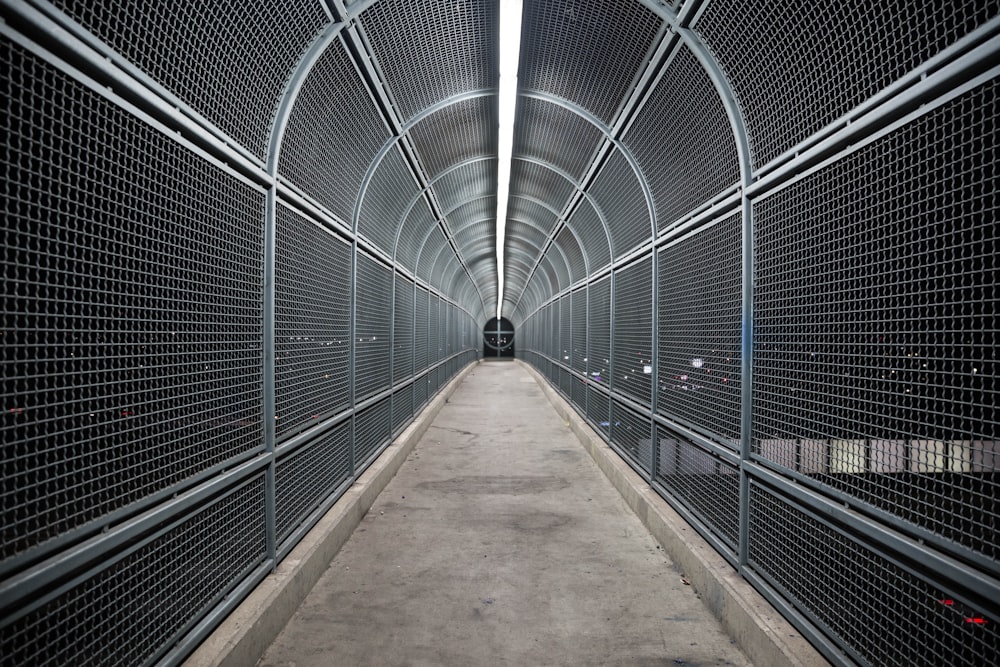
(753, 244)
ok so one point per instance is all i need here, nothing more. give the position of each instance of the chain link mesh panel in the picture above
(333, 135)
(372, 429)
(599, 333)
(876, 321)
(402, 330)
(555, 136)
(632, 347)
(461, 131)
(589, 228)
(534, 181)
(859, 597)
(700, 326)
(632, 432)
(429, 51)
(308, 475)
(131, 333)
(573, 253)
(796, 71)
(585, 53)
(703, 482)
(619, 197)
(133, 606)
(402, 408)
(199, 51)
(312, 322)
(389, 193)
(411, 234)
(420, 315)
(373, 313)
(699, 160)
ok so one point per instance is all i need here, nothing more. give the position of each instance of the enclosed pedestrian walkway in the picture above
(752, 247)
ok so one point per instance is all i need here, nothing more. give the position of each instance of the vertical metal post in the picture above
(352, 327)
(392, 353)
(746, 389)
(654, 450)
(586, 349)
(611, 356)
(269, 402)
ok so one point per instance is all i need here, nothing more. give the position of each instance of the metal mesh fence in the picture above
(699, 127)
(308, 475)
(810, 68)
(131, 607)
(618, 195)
(131, 343)
(312, 323)
(700, 304)
(329, 160)
(200, 51)
(861, 596)
(632, 346)
(703, 482)
(587, 54)
(877, 327)
(373, 310)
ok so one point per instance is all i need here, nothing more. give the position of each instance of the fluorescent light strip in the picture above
(510, 51)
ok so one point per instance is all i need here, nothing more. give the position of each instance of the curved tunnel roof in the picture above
(631, 116)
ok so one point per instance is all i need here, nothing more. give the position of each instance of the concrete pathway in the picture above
(499, 542)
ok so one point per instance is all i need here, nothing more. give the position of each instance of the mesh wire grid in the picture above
(433, 330)
(389, 193)
(372, 429)
(573, 253)
(599, 411)
(546, 268)
(578, 331)
(131, 334)
(700, 324)
(137, 604)
(402, 408)
(555, 135)
(526, 210)
(565, 322)
(429, 51)
(876, 321)
(699, 160)
(585, 53)
(305, 477)
(402, 330)
(883, 613)
(534, 181)
(632, 346)
(329, 160)
(199, 51)
(312, 322)
(618, 195)
(589, 228)
(632, 432)
(420, 330)
(599, 332)
(465, 183)
(373, 318)
(798, 66)
(429, 253)
(461, 131)
(420, 394)
(701, 481)
(411, 234)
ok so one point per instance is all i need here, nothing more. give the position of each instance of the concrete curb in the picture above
(243, 637)
(760, 631)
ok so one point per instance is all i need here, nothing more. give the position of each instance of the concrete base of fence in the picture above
(245, 634)
(761, 632)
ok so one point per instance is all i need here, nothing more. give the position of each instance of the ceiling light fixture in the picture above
(510, 50)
